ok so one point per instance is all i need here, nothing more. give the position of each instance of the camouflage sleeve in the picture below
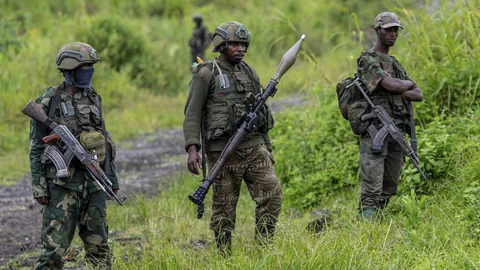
(196, 100)
(37, 168)
(112, 173)
(370, 72)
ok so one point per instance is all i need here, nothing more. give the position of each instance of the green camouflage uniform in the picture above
(78, 199)
(381, 172)
(222, 109)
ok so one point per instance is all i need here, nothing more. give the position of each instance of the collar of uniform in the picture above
(227, 66)
(64, 95)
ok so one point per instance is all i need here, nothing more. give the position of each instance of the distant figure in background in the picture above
(200, 39)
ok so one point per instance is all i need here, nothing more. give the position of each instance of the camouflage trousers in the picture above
(380, 172)
(255, 166)
(65, 210)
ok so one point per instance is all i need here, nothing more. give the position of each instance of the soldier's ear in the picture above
(223, 48)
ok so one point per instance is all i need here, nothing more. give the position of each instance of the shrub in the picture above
(316, 152)
(117, 42)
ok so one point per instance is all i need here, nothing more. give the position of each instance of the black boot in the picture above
(224, 242)
(382, 204)
(264, 233)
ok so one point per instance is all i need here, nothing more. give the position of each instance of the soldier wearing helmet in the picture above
(200, 39)
(218, 100)
(391, 87)
(76, 199)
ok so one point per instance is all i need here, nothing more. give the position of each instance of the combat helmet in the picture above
(197, 17)
(230, 32)
(74, 54)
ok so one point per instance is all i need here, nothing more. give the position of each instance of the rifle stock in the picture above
(247, 124)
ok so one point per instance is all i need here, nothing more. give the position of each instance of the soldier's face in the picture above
(235, 51)
(388, 36)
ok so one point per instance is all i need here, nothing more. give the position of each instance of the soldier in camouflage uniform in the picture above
(388, 85)
(217, 97)
(200, 39)
(77, 199)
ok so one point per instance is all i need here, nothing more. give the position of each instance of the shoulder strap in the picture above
(54, 100)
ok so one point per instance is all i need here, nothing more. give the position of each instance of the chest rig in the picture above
(231, 95)
(79, 113)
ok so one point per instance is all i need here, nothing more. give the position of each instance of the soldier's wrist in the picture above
(192, 149)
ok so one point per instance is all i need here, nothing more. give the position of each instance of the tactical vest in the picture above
(82, 116)
(84, 113)
(395, 105)
(226, 106)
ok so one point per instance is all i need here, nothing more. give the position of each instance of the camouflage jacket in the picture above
(86, 117)
(222, 107)
(372, 68)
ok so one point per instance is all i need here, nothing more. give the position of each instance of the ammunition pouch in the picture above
(355, 112)
(94, 143)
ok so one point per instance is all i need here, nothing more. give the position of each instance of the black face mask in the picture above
(83, 77)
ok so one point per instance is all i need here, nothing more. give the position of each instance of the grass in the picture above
(415, 233)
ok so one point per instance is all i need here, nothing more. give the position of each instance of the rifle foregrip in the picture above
(51, 138)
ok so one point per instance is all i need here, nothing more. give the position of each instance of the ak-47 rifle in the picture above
(389, 127)
(246, 126)
(74, 148)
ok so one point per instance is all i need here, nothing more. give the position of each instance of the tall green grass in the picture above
(416, 232)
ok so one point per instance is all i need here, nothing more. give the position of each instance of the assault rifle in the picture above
(74, 148)
(389, 127)
(246, 126)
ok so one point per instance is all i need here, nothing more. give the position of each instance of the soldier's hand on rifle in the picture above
(42, 200)
(194, 161)
(109, 197)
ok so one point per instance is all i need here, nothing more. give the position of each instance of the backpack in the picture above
(347, 95)
(352, 105)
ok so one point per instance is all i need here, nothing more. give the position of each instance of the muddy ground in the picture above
(144, 164)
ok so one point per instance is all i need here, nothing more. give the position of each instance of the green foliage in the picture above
(442, 147)
(117, 43)
(316, 153)
(163, 233)
(440, 52)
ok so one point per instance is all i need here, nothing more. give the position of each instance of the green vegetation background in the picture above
(144, 77)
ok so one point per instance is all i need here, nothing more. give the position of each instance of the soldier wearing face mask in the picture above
(76, 200)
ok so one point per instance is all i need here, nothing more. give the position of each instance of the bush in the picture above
(316, 152)
(442, 147)
(440, 51)
(117, 42)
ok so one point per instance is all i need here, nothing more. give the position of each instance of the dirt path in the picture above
(146, 165)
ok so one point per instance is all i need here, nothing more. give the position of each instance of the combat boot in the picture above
(368, 214)
(383, 204)
(264, 234)
(224, 242)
